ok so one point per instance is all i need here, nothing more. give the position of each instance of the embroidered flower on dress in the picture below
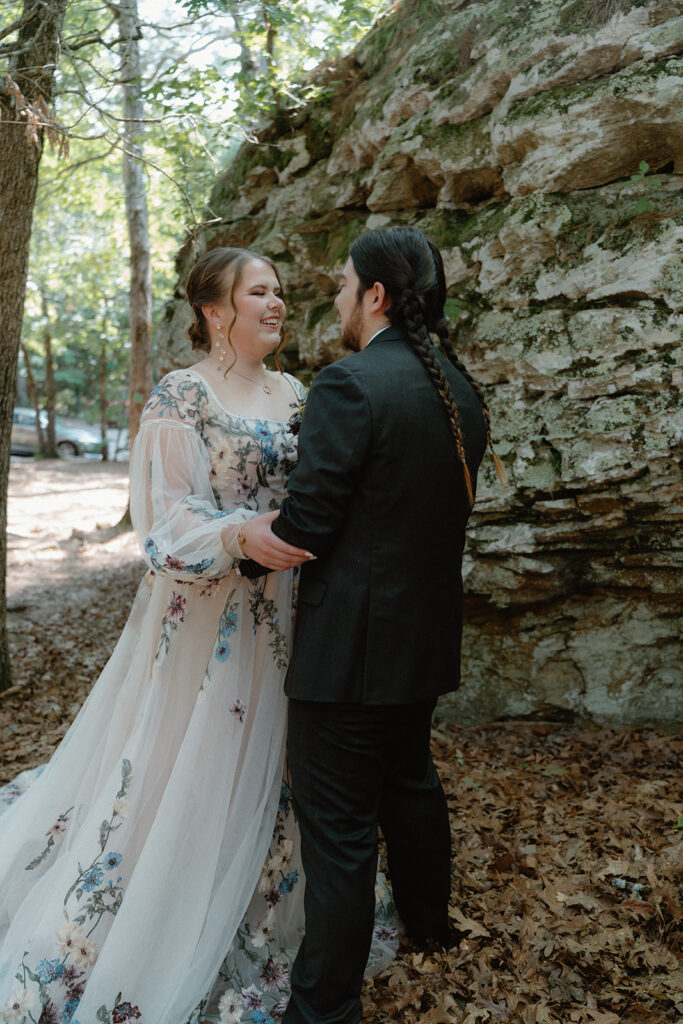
(289, 881)
(85, 953)
(92, 878)
(273, 896)
(228, 623)
(68, 936)
(384, 933)
(223, 651)
(276, 864)
(49, 1014)
(49, 970)
(270, 458)
(73, 981)
(243, 486)
(18, 1004)
(210, 588)
(69, 1009)
(230, 1007)
(121, 807)
(252, 999)
(112, 860)
(125, 1012)
(171, 562)
(277, 1012)
(261, 1017)
(259, 937)
(175, 610)
(58, 829)
(263, 431)
(238, 709)
(274, 975)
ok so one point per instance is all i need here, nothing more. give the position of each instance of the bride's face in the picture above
(257, 309)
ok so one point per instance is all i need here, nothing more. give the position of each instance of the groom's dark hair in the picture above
(410, 268)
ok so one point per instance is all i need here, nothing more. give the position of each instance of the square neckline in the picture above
(236, 415)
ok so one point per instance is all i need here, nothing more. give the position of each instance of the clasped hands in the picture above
(261, 544)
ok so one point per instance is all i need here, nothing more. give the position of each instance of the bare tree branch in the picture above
(79, 163)
(26, 17)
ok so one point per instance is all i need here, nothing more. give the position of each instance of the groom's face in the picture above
(350, 309)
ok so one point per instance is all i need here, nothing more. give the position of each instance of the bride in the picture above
(151, 873)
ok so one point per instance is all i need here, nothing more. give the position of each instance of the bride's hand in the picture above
(261, 544)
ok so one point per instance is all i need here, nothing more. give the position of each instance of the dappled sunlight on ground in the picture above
(53, 510)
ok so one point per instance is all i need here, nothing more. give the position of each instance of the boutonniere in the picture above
(296, 419)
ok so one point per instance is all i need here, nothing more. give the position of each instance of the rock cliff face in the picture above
(508, 130)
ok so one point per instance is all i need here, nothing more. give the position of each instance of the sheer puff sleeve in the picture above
(180, 528)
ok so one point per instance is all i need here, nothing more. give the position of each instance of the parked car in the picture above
(73, 437)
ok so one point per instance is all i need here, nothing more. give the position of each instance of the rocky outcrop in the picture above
(510, 132)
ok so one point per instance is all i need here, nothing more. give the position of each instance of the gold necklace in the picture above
(265, 387)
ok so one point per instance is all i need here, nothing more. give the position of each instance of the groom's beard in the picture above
(351, 332)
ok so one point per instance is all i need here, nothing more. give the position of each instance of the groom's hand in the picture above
(261, 544)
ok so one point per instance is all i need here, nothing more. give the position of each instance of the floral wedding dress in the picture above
(150, 873)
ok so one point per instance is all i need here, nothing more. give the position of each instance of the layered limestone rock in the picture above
(509, 132)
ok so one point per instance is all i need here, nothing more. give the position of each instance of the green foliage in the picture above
(201, 101)
(646, 203)
(278, 42)
(453, 309)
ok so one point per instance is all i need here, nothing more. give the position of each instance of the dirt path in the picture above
(53, 505)
(69, 587)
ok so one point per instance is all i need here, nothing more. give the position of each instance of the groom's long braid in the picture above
(441, 329)
(410, 267)
(410, 311)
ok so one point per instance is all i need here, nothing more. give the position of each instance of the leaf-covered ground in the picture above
(567, 842)
(567, 882)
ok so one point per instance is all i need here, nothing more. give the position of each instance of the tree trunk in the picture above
(32, 67)
(33, 397)
(51, 439)
(103, 396)
(141, 372)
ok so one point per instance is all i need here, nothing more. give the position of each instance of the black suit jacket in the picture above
(379, 496)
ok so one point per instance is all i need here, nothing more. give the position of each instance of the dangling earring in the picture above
(219, 328)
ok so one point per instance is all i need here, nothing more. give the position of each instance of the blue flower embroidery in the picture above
(223, 651)
(289, 881)
(49, 970)
(270, 458)
(92, 878)
(69, 1010)
(226, 628)
(228, 623)
(112, 860)
(263, 431)
(285, 797)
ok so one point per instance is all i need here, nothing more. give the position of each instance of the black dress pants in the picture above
(353, 766)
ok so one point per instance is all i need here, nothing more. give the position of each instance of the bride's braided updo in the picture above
(208, 282)
(410, 268)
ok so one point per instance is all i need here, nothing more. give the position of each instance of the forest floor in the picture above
(567, 840)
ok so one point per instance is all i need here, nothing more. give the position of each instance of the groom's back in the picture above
(380, 611)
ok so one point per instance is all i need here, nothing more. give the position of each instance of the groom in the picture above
(388, 451)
